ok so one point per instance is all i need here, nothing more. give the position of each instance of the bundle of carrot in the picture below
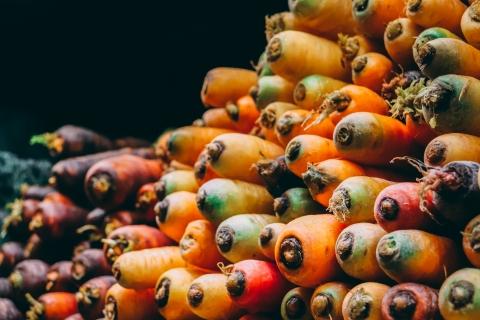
(336, 180)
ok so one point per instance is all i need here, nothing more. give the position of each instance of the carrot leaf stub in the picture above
(461, 294)
(291, 253)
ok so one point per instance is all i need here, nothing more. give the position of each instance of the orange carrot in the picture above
(52, 306)
(399, 38)
(305, 250)
(267, 238)
(202, 170)
(452, 147)
(371, 70)
(309, 92)
(327, 299)
(269, 117)
(127, 304)
(243, 113)
(471, 240)
(364, 301)
(226, 84)
(262, 68)
(271, 89)
(470, 24)
(178, 180)
(283, 21)
(161, 146)
(357, 45)
(215, 118)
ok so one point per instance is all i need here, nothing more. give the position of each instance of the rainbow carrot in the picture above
(327, 299)
(296, 304)
(202, 170)
(372, 70)
(11, 253)
(271, 89)
(294, 203)
(89, 264)
(399, 38)
(364, 301)
(452, 147)
(269, 117)
(309, 92)
(267, 239)
(243, 113)
(356, 45)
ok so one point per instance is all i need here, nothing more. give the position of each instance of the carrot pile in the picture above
(339, 179)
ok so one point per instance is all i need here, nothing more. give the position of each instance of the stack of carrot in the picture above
(337, 180)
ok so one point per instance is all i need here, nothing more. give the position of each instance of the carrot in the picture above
(371, 70)
(59, 278)
(307, 148)
(58, 197)
(445, 56)
(198, 247)
(356, 45)
(185, 144)
(52, 306)
(127, 304)
(178, 180)
(296, 122)
(259, 316)
(271, 89)
(294, 203)
(140, 269)
(418, 256)
(207, 297)
(243, 151)
(35, 192)
(354, 198)
(256, 286)
(11, 253)
(96, 217)
(202, 170)
(262, 68)
(91, 296)
(131, 142)
(119, 219)
(267, 239)
(355, 251)
(458, 295)
(283, 21)
(399, 38)
(57, 220)
(428, 14)
(277, 176)
(8, 310)
(470, 241)
(16, 223)
(326, 301)
(70, 141)
(243, 113)
(5, 288)
(309, 92)
(402, 80)
(89, 264)
(305, 250)
(237, 236)
(215, 118)
(470, 24)
(296, 304)
(325, 177)
(29, 276)
(226, 84)
(76, 316)
(371, 16)
(397, 207)
(161, 150)
(146, 200)
(364, 301)
(350, 99)
(351, 140)
(171, 292)
(37, 248)
(133, 238)
(292, 55)
(82, 246)
(219, 199)
(269, 117)
(175, 212)
(410, 301)
(429, 35)
(452, 147)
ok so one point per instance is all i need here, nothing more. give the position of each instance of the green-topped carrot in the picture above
(401, 80)
(431, 34)
(459, 297)
(237, 236)
(262, 68)
(271, 89)
(364, 302)
(267, 239)
(178, 180)
(327, 299)
(269, 117)
(294, 203)
(471, 241)
(356, 45)
(91, 296)
(452, 147)
(371, 70)
(296, 304)
(310, 92)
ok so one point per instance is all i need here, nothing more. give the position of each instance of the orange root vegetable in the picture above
(198, 247)
(471, 241)
(243, 113)
(372, 70)
(271, 89)
(310, 91)
(256, 286)
(411, 301)
(404, 257)
(351, 140)
(296, 304)
(29, 276)
(8, 310)
(52, 306)
(292, 55)
(452, 147)
(305, 250)
(470, 24)
(355, 251)
(243, 151)
(91, 296)
(283, 21)
(215, 118)
(357, 45)
(161, 150)
(262, 68)
(307, 148)
(237, 236)
(178, 180)
(133, 238)
(327, 299)
(294, 203)
(175, 212)
(127, 304)
(171, 293)
(297, 122)
(226, 84)
(364, 301)
(426, 13)
(202, 170)
(11, 253)
(112, 181)
(140, 270)
(208, 298)
(60, 278)
(399, 38)
(185, 144)
(219, 199)
(269, 117)
(267, 239)
(458, 296)
(89, 264)
(429, 35)
(371, 16)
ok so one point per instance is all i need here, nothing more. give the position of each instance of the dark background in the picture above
(119, 68)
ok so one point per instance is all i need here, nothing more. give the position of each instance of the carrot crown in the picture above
(434, 96)
(335, 101)
(95, 233)
(16, 208)
(406, 102)
(473, 238)
(274, 25)
(194, 295)
(145, 199)
(87, 293)
(199, 123)
(36, 223)
(267, 118)
(286, 124)
(51, 140)
(321, 305)
(37, 309)
(359, 305)
(474, 11)
(413, 5)
(339, 204)
(394, 30)
(317, 179)
(349, 46)
(117, 246)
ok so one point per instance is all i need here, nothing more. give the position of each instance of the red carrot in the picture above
(59, 278)
(89, 264)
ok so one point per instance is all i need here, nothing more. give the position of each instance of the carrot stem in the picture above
(100, 185)
(461, 294)
(214, 150)
(349, 45)
(403, 305)
(195, 295)
(359, 305)
(336, 101)
(316, 179)
(405, 103)
(322, 305)
(291, 253)
(36, 222)
(87, 293)
(236, 283)
(37, 309)
(163, 291)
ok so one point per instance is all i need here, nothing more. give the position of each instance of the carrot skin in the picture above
(272, 89)
(128, 304)
(60, 279)
(371, 70)
(178, 180)
(55, 306)
(91, 297)
(452, 147)
(8, 310)
(399, 38)
(470, 241)
(11, 253)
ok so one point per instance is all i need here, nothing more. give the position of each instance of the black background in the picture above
(120, 68)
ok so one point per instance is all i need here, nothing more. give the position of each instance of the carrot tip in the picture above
(143, 202)
(359, 305)
(232, 111)
(265, 236)
(349, 46)
(344, 247)
(321, 305)
(161, 209)
(339, 204)
(270, 170)
(214, 150)
(394, 30)
(359, 63)
(316, 179)
(274, 50)
(225, 238)
(291, 253)
(236, 283)
(461, 294)
(387, 248)
(413, 5)
(389, 208)
(267, 119)
(402, 305)
(194, 295)
(281, 205)
(162, 293)
(274, 25)
(295, 307)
